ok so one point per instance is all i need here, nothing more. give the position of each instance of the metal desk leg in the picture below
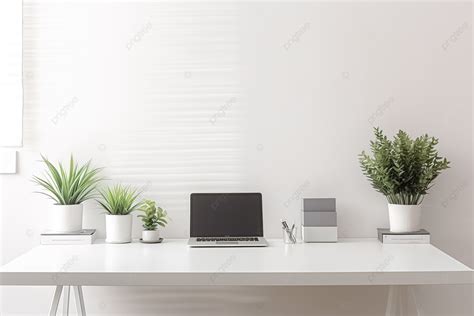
(390, 301)
(67, 290)
(413, 296)
(56, 298)
(81, 310)
(398, 302)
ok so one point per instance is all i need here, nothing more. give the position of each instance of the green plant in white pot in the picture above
(68, 187)
(403, 169)
(119, 202)
(152, 217)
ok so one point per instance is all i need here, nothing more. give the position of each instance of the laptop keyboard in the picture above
(218, 239)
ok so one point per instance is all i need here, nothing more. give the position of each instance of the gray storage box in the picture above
(319, 205)
(319, 220)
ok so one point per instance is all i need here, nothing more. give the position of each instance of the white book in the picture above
(406, 239)
(388, 237)
(83, 237)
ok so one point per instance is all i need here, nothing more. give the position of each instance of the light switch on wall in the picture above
(7, 161)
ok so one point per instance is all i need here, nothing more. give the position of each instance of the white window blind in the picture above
(11, 92)
(153, 96)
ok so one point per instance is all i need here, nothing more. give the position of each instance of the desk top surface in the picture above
(348, 262)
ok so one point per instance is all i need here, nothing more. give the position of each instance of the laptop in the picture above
(226, 220)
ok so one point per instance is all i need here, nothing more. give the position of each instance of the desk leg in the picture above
(81, 310)
(56, 298)
(66, 294)
(413, 296)
(398, 301)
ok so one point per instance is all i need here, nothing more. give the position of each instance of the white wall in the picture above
(10, 76)
(271, 97)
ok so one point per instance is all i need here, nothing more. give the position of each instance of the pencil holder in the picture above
(289, 236)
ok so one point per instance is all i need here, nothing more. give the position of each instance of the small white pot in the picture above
(66, 218)
(150, 235)
(404, 218)
(118, 229)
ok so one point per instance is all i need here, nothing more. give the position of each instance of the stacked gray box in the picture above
(319, 220)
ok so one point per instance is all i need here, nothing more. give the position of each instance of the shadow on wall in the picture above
(432, 300)
(261, 301)
(207, 301)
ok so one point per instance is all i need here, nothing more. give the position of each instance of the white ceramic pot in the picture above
(118, 229)
(150, 235)
(404, 218)
(66, 218)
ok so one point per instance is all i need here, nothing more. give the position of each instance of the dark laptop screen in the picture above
(226, 215)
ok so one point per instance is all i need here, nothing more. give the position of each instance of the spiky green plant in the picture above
(153, 216)
(119, 199)
(403, 169)
(69, 186)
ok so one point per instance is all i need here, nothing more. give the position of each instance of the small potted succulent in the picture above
(403, 169)
(119, 201)
(152, 217)
(68, 186)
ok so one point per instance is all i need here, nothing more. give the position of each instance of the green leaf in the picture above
(119, 199)
(403, 169)
(69, 186)
(153, 215)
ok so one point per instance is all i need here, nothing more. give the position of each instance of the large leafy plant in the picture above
(69, 185)
(153, 216)
(119, 199)
(402, 169)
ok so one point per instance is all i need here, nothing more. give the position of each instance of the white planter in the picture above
(404, 218)
(150, 235)
(65, 218)
(118, 229)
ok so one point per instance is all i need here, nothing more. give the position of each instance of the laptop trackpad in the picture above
(223, 242)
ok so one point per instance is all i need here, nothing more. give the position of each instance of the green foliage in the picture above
(69, 186)
(403, 169)
(119, 200)
(153, 216)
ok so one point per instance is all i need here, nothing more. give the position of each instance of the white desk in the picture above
(348, 262)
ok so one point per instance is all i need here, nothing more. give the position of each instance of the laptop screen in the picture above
(226, 215)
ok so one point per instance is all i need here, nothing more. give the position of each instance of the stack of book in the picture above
(388, 237)
(80, 237)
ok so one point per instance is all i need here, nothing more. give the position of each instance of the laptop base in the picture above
(209, 242)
